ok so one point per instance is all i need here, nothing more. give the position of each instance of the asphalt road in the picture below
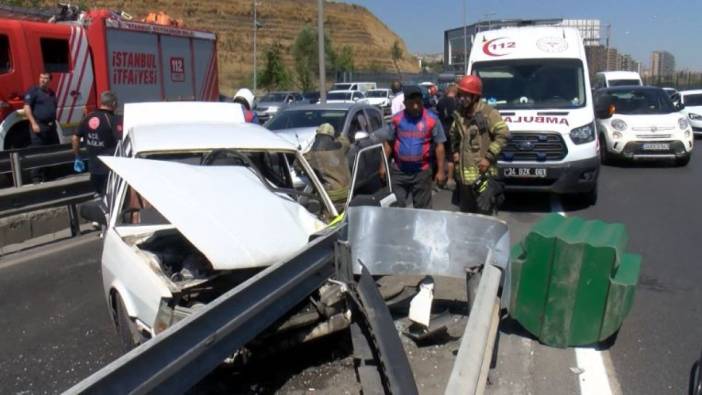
(55, 329)
(660, 340)
(54, 325)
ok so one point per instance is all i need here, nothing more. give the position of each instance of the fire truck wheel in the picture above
(18, 136)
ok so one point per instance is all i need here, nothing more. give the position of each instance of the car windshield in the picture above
(533, 84)
(307, 118)
(624, 82)
(339, 96)
(342, 87)
(693, 100)
(274, 97)
(377, 94)
(640, 101)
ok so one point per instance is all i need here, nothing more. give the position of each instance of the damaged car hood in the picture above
(225, 211)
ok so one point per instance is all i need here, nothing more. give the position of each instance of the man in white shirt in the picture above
(398, 101)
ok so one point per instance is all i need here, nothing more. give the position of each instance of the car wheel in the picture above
(683, 161)
(129, 335)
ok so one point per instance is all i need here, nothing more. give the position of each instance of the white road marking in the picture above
(594, 380)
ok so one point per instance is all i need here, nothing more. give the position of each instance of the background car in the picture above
(270, 103)
(381, 98)
(354, 86)
(310, 97)
(641, 123)
(345, 96)
(692, 102)
(298, 124)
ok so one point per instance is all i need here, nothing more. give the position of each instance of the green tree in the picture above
(344, 59)
(275, 75)
(305, 53)
(396, 55)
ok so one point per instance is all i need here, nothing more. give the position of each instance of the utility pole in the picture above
(465, 38)
(320, 40)
(255, 27)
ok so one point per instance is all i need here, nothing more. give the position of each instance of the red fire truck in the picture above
(96, 51)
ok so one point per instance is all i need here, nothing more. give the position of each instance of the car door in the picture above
(370, 182)
(375, 121)
(128, 270)
(357, 122)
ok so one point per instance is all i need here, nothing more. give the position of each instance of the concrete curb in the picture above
(22, 227)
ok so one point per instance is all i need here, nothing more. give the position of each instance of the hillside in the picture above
(346, 24)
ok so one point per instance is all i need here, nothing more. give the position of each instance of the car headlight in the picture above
(683, 123)
(272, 109)
(618, 124)
(583, 134)
(694, 117)
(617, 135)
(687, 134)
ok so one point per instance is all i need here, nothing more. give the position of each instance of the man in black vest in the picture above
(100, 130)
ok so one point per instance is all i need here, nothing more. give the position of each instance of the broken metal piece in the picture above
(382, 337)
(439, 326)
(420, 306)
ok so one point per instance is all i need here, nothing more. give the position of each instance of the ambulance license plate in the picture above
(522, 172)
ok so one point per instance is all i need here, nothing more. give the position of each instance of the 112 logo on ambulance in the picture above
(499, 46)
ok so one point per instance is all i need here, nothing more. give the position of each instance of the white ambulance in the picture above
(537, 78)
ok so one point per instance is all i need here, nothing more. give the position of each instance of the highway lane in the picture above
(54, 325)
(660, 340)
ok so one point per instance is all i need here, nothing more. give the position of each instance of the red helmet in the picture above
(471, 84)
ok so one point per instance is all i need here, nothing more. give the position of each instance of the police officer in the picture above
(478, 135)
(100, 130)
(40, 109)
(413, 133)
(328, 160)
(246, 98)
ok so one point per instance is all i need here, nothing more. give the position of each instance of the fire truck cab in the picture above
(99, 51)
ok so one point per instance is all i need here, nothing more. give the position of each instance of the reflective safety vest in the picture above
(413, 141)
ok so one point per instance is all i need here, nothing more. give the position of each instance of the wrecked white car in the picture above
(197, 205)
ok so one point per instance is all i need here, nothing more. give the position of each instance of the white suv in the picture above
(641, 123)
(692, 101)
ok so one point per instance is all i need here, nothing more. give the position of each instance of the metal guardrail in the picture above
(181, 356)
(185, 353)
(23, 198)
(18, 161)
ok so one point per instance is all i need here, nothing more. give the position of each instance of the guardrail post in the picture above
(16, 168)
(74, 220)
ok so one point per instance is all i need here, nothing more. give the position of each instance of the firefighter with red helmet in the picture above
(478, 134)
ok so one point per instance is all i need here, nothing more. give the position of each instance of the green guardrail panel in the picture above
(572, 282)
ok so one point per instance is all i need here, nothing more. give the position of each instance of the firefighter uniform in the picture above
(476, 137)
(327, 157)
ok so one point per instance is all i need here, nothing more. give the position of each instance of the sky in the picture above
(638, 27)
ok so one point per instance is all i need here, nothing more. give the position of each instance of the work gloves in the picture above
(489, 194)
(78, 165)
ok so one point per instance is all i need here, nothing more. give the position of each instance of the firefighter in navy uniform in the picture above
(478, 134)
(100, 130)
(40, 110)
(327, 157)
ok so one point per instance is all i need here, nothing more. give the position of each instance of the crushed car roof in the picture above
(226, 212)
